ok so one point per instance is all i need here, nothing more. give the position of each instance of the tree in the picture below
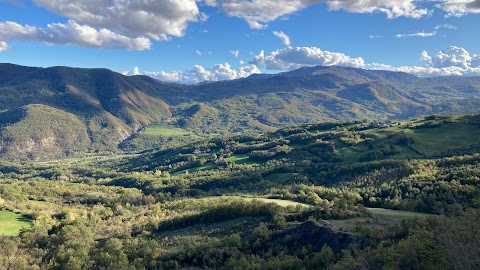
(11, 256)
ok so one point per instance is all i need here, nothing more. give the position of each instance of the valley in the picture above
(321, 195)
(97, 110)
(239, 135)
(317, 168)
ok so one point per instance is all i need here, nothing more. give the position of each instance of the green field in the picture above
(380, 219)
(11, 223)
(240, 159)
(283, 203)
(205, 167)
(165, 130)
(432, 141)
(396, 213)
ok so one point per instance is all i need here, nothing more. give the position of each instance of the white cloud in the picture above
(425, 57)
(199, 53)
(392, 8)
(446, 26)
(455, 57)
(150, 18)
(235, 53)
(140, 21)
(3, 46)
(428, 34)
(418, 34)
(258, 13)
(136, 71)
(293, 58)
(199, 73)
(375, 36)
(284, 37)
(455, 61)
(203, 17)
(459, 8)
(73, 34)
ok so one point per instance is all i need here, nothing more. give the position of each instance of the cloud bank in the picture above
(133, 24)
(199, 73)
(454, 61)
(293, 58)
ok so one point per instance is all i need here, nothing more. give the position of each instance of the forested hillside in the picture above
(400, 194)
(110, 110)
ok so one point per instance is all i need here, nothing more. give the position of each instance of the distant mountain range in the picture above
(54, 112)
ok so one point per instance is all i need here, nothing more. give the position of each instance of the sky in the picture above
(190, 41)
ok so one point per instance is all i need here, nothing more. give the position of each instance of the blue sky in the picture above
(196, 40)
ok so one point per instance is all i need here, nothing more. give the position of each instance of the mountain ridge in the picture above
(112, 107)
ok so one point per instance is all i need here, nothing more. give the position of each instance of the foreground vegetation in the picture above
(354, 195)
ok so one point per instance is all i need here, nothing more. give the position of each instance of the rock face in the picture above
(315, 235)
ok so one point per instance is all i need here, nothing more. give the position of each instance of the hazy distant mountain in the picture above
(53, 112)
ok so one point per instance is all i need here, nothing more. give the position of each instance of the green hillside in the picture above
(358, 141)
(115, 109)
(104, 109)
(315, 196)
(39, 131)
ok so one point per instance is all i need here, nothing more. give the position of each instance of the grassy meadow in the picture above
(11, 223)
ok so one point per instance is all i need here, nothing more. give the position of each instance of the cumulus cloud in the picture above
(258, 13)
(454, 57)
(136, 71)
(150, 18)
(141, 21)
(392, 8)
(71, 33)
(418, 34)
(3, 46)
(454, 61)
(199, 73)
(459, 8)
(284, 37)
(293, 58)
